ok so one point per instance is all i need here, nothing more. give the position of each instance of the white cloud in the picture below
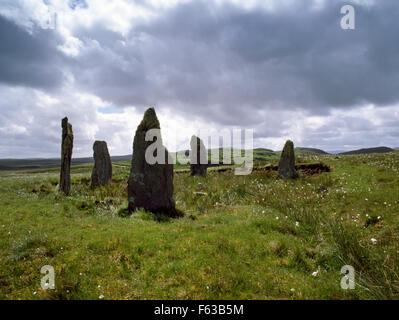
(26, 13)
(71, 47)
(33, 125)
(116, 15)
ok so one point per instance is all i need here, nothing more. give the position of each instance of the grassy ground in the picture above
(248, 237)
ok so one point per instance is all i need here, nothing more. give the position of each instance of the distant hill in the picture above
(127, 158)
(262, 155)
(301, 150)
(335, 151)
(369, 150)
(264, 151)
(32, 164)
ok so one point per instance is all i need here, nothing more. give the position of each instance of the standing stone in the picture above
(286, 166)
(198, 157)
(150, 186)
(102, 170)
(66, 156)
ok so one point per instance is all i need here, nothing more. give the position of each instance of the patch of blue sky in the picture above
(73, 4)
(110, 110)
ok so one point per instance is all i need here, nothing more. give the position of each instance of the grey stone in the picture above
(286, 166)
(198, 157)
(150, 186)
(102, 170)
(66, 156)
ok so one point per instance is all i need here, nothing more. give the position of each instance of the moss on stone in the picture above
(150, 121)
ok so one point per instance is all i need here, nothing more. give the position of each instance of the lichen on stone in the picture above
(150, 121)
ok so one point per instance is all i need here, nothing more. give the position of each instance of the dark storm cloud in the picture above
(109, 68)
(30, 60)
(223, 62)
(226, 63)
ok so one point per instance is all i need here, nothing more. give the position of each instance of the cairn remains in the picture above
(66, 156)
(102, 170)
(286, 166)
(150, 185)
(198, 157)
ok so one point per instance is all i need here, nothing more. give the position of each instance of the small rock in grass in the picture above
(200, 193)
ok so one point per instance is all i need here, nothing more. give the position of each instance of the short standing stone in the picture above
(102, 170)
(66, 156)
(150, 186)
(286, 166)
(198, 157)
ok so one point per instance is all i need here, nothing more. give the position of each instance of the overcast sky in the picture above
(283, 68)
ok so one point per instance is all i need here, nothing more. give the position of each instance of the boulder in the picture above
(66, 156)
(150, 185)
(102, 170)
(286, 166)
(198, 157)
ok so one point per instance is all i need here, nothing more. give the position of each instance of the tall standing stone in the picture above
(66, 156)
(286, 166)
(102, 170)
(198, 157)
(150, 186)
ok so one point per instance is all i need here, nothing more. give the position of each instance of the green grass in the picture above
(248, 237)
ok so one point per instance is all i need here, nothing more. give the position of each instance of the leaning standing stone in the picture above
(198, 157)
(286, 166)
(66, 156)
(102, 170)
(150, 185)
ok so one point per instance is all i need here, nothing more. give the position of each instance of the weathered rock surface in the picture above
(198, 157)
(150, 186)
(102, 170)
(286, 166)
(66, 156)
